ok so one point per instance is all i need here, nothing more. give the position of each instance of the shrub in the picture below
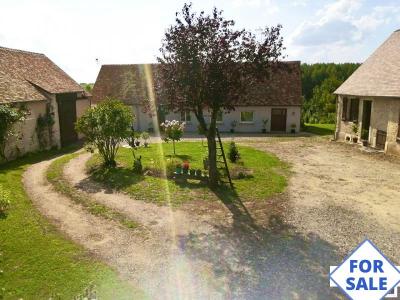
(145, 137)
(5, 201)
(233, 154)
(9, 116)
(105, 126)
(173, 130)
(137, 165)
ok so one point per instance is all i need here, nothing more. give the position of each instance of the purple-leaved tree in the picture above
(206, 65)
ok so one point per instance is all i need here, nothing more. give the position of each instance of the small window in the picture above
(344, 109)
(185, 116)
(354, 107)
(246, 117)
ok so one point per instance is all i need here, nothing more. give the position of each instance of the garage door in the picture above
(67, 116)
(278, 119)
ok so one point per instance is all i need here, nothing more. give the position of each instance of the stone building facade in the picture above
(368, 105)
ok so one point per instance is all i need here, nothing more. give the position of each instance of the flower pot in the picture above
(355, 140)
(365, 143)
(178, 170)
(198, 173)
(192, 172)
(185, 171)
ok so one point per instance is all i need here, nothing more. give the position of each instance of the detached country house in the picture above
(369, 100)
(277, 105)
(33, 81)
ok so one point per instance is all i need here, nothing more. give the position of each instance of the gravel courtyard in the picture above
(281, 247)
(340, 193)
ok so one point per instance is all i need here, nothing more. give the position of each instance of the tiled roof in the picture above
(379, 75)
(23, 74)
(127, 83)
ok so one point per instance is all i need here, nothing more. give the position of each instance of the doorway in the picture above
(67, 118)
(278, 119)
(366, 119)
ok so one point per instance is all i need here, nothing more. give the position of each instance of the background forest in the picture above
(319, 81)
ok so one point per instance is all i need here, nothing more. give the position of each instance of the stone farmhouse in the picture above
(368, 103)
(278, 104)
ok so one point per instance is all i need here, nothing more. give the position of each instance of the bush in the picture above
(5, 201)
(233, 154)
(105, 126)
(145, 137)
(137, 166)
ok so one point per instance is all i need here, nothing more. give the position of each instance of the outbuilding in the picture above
(32, 81)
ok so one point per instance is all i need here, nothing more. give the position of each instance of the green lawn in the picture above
(266, 175)
(37, 261)
(320, 129)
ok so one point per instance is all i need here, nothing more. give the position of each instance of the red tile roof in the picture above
(127, 83)
(23, 74)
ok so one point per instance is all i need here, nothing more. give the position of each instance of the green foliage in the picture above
(233, 153)
(5, 200)
(145, 137)
(88, 87)
(44, 128)
(137, 165)
(354, 128)
(319, 81)
(9, 116)
(105, 126)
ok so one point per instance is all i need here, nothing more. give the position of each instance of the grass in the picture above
(267, 175)
(36, 261)
(55, 176)
(320, 129)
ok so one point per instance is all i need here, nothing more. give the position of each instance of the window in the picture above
(350, 110)
(344, 109)
(354, 105)
(185, 116)
(246, 116)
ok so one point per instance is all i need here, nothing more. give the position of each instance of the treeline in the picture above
(319, 81)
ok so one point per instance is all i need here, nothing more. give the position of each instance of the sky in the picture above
(81, 35)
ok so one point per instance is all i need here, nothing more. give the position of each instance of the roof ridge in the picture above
(21, 51)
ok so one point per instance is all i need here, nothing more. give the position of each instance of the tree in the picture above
(9, 116)
(173, 131)
(206, 64)
(105, 126)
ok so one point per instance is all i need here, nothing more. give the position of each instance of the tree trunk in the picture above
(173, 143)
(212, 159)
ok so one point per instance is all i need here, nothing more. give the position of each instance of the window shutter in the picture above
(344, 109)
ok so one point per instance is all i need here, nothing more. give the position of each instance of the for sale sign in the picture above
(366, 274)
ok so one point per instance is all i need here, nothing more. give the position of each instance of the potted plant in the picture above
(355, 131)
(264, 122)
(145, 137)
(364, 137)
(185, 167)
(293, 128)
(178, 169)
(233, 126)
(192, 172)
